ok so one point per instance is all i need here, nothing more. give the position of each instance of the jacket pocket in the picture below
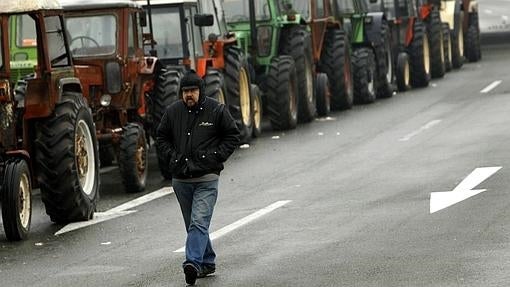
(208, 160)
(176, 163)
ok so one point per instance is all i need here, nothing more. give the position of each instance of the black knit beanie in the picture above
(192, 79)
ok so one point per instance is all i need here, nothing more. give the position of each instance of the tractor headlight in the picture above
(264, 35)
(106, 100)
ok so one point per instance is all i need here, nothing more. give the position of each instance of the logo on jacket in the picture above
(205, 124)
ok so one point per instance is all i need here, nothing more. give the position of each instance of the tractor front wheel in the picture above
(363, 68)
(323, 95)
(133, 158)
(16, 199)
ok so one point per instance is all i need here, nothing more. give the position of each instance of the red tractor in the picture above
(47, 135)
(107, 47)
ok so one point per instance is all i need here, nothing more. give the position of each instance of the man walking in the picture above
(195, 136)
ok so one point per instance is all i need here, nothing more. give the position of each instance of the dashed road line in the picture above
(490, 87)
(118, 211)
(420, 130)
(243, 221)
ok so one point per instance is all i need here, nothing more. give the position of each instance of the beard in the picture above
(190, 101)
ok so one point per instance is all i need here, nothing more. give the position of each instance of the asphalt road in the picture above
(346, 202)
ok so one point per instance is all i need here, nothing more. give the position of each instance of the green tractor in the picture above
(279, 43)
(23, 46)
(372, 54)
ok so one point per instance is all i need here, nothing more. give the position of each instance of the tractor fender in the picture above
(71, 84)
(373, 28)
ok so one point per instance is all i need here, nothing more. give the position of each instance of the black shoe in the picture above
(206, 270)
(190, 273)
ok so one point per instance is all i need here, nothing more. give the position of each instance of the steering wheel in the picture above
(84, 39)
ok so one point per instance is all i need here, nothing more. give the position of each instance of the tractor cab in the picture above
(179, 43)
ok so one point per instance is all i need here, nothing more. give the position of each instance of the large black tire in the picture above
(66, 148)
(472, 49)
(403, 72)
(435, 36)
(419, 56)
(16, 199)
(336, 63)
(363, 69)
(133, 163)
(256, 103)
(457, 35)
(384, 64)
(298, 44)
(166, 92)
(237, 81)
(215, 85)
(323, 95)
(282, 93)
(447, 44)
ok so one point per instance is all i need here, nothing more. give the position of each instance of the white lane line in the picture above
(243, 221)
(420, 130)
(490, 87)
(118, 211)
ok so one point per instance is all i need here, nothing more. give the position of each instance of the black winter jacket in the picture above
(196, 141)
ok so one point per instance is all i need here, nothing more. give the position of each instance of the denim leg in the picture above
(197, 202)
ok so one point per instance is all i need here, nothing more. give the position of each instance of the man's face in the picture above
(190, 96)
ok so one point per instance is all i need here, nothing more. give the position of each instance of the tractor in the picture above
(107, 48)
(370, 41)
(410, 44)
(461, 17)
(428, 11)
(292, 56)
(47, 135)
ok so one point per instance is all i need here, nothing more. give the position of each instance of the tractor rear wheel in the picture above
(336, 63)
(66, 148)
(237, 81)
(298, 44)
(363, 69)
(435, 36)
(16, 199)
(133, 164)
(282, 93)
(447, 43)
(323, 95)
(419, 53)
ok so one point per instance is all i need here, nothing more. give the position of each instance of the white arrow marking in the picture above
(118, 211)
(441, 200)
(490, 87)
(243, 221)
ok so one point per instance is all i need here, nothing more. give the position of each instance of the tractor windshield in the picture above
(25, 31)
(345, 6)
(239, 10)
(169, 44)
(92, 35)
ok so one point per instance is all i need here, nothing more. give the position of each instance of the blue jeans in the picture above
(197, 200)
